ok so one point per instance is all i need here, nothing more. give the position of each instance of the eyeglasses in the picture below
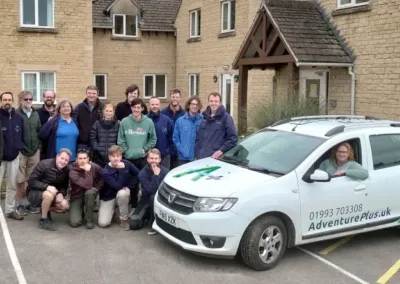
(28, 99)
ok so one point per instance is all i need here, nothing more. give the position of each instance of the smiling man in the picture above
(123, 109)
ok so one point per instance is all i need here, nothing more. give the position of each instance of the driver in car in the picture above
(341, 163)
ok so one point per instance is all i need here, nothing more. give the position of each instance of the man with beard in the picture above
(174, 111)
(123, 109)
(45, 112)
(164, 131)
(86, 114)
(12, 130)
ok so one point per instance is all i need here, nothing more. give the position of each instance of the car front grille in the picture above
(181, 203)
(180, 234)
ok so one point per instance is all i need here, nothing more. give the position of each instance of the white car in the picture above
(268, 193)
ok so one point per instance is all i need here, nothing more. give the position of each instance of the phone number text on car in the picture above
(326, 213)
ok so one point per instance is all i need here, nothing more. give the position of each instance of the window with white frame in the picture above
(38, 83)
(37, 13)
(100, 81)
(194, 81)
(155, 86)
(125, 25)
(195, 23)
(228, 19)
(351, 3)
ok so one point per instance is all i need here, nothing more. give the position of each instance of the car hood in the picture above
(213, 178)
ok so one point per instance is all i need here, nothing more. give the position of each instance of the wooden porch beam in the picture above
(242, 99)
(257, 46)
(264, 32)
(272, 44)
(293, 82)
(267, 60)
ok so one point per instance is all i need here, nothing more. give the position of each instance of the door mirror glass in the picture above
(320, 176)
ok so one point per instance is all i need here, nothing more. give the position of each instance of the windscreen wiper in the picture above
(232, 160)
(264, 170)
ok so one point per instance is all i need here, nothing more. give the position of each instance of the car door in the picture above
(383, 184)
(335, 206)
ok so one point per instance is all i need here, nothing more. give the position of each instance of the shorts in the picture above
(35, 198)
(26, 166)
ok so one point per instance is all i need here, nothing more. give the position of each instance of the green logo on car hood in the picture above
(201, 173)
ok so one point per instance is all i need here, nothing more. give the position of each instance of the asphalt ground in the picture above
(114, 256)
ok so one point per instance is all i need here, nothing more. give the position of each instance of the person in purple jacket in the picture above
(217, 133)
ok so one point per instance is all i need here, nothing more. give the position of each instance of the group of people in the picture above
(59, 158)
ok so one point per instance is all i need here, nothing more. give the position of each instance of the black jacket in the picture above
(44, 114)
(103, 135)
(46, 173)
(86, 118)
(12, 126)
(123, 110)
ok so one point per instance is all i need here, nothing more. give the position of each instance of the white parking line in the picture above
(334, 266)
(11, 249)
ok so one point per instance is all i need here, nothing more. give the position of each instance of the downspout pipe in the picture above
(353, 89)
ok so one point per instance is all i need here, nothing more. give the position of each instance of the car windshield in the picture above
(272, 152)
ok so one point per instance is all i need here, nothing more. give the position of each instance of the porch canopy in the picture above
(292, 33)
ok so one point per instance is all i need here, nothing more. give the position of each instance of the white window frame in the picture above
(105, 84)
(229, 3)
(197, 22)
(124, 26)
(221, 86)
(37, 73)
(196, 77)
(36, 25)
(351, 4)
(154, 85)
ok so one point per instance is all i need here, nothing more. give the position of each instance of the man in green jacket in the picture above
(30, 154)
(136, 136)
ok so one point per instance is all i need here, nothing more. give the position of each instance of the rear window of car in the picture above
(385, 150)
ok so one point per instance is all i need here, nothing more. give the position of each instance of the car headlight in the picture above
(212, 204)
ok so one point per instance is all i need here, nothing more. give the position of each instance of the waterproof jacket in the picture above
(46, 173)
(1, 146)
(48, 135)
(30, 138)
(12, 127)
(164, 131)
(123, 110)
(116, 179)
(184, 137)
(82, 181)
(150, 182)
(103, 135)
(86, 118)
(136, 136)
(173, 115)
(215, 133)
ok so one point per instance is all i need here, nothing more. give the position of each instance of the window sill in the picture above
(162, 100)
(37, 30)
(227, 34)
(352, 10)
(193, 39)
(125, 38)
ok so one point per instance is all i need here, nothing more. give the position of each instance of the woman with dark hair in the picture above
(123, 109)
(342, 163)
(61, 131)
(103, 135)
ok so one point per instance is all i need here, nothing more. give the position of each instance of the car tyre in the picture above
(264, 243)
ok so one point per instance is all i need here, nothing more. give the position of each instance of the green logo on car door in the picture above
(201, 173)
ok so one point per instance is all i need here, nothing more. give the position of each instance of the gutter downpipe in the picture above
(353, 89)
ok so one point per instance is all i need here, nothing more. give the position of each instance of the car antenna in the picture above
(294, 128)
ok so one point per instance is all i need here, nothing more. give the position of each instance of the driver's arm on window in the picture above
(356, 171)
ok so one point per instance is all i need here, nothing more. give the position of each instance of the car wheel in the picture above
(264, 243)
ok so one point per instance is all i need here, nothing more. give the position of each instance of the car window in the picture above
(385, 150)
(276, 151)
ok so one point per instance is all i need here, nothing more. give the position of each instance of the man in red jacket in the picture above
(86, 180)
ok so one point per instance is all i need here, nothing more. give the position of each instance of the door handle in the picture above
(360, 187)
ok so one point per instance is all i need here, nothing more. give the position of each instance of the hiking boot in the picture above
(31, 209)
(89, 225)
(125, 225)
(152, 232)
(21, 210)
(49, 217)
(15, 216)
(46, 224)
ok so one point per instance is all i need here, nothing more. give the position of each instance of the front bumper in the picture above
(189, 229)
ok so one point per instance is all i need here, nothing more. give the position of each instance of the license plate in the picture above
(167, 218)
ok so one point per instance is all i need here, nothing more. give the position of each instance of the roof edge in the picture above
(158, 30)
(327, 64)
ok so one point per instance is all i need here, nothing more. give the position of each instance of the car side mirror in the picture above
(320, 176)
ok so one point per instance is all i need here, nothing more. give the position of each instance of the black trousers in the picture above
(143, 214)
(140, 164)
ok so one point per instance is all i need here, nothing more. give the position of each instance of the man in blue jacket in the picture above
(217, 133)
(185, 130)
(12, 130)
(164, 131)
(150, 178)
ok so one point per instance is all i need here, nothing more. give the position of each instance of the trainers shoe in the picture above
(152, 232)
(15, 216)
(21, 210)
(125, 225)
(89, 225)
(32, 209)
(46, 224)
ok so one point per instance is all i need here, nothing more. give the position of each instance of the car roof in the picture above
(327, 126)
